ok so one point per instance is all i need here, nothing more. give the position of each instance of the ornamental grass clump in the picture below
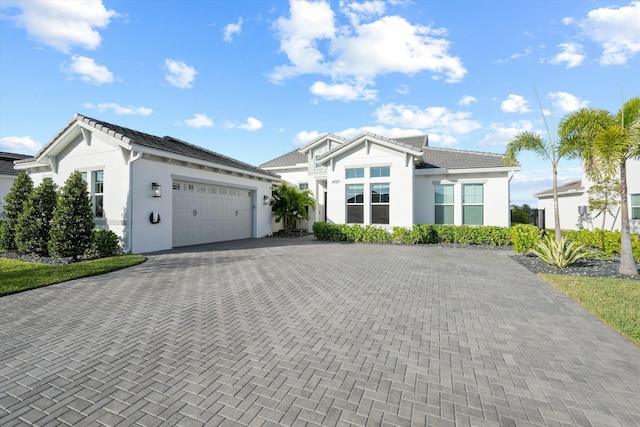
(558, 253)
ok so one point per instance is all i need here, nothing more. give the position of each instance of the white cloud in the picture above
(572, 54)
(88, 70)
(433, 119)
(616, 30)
(19, 145)
(198, 120)
(564, 102)
(231, 29)
(515, 104)
(528, 51)
(343, 91)
(180, 74)
(305, 137)
(355, 53)
(467, 100)
(62, 24)
(367, 10)
(501, 135)
(119, 109)
(403, 89)
(252, 124)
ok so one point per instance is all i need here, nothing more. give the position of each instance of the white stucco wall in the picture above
(152, 237)
(496, 195)
(400, 184)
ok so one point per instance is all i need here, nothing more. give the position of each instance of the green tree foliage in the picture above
(520, 214)
(604, 199)
(72, 220)
(604, 142)
(290, 205)
(13, 206)
(34, 223)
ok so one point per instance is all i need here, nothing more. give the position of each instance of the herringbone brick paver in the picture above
(295, 332)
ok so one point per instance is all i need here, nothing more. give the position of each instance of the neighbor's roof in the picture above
(167, 143)
(6, 162)
(569, 187)
(448, 158)
(292, 158)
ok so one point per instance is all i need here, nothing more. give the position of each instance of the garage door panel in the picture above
(208, 213)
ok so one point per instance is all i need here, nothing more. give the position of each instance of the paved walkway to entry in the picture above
(298, 332)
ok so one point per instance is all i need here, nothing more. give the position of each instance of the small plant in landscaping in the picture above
(13, 206)
(560, 253)
(104, 243)
(525, 237)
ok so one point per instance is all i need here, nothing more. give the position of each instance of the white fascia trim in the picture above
(348, 146)
(444, 171)
(319, 141)
(560, 193)
(198, 162)
(298, 166)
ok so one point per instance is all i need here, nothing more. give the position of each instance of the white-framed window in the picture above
(96, 191)
(472, 204)
(352, 173)
(634, 208)
(303, 186)
(380, 203)
(381, 171)
(444, 204)
(355, 203)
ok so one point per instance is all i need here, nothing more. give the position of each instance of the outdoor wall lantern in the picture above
(156, 190)
(265, 200)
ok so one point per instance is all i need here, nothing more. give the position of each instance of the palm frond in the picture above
(526, 141)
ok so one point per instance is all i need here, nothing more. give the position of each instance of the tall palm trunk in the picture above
(556, 208)
(627, 263)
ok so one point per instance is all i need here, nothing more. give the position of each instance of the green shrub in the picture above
(603, 241)
(14, 203)
(34, 223)
(559, 254)
(374, 234)
(402, 236)
(104, 243)
(72, 220)
(525, 237)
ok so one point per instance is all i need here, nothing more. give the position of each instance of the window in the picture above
(98, 193)
(354, 173)
(472, 200)
(380, 203)
(380, 172)
(303, 186)
(444, 204)
(355, 203)
(635, 206)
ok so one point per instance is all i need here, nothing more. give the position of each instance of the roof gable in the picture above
(405, 145)
(142, 140)
(322, 139)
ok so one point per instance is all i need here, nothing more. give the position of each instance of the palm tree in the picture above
(290, 205)
(605, 142)
(547, 150)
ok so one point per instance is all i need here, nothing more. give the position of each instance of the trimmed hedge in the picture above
(521, 236)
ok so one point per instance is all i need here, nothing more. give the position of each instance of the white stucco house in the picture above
(8, 174)
(373, 180)
(157, 192)
(574, 194)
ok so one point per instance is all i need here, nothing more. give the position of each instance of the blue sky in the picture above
(253, 79)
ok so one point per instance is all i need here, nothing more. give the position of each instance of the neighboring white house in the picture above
(573, 195)
(157, 192)
(8, 174)
(373, 180)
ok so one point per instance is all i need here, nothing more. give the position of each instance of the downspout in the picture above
(132, 158)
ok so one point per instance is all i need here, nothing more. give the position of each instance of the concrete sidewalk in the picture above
(297, 332)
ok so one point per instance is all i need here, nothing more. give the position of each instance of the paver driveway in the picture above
(297, 332)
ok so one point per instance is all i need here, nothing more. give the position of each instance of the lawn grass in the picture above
(614, 301)
(16, 276)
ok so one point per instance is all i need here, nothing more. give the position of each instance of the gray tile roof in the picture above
(6, 162)
(573, 186)
(292, 158)
(448, 158)
(418, 142)
(166, 143)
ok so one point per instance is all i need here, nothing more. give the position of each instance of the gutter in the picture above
(129, 228)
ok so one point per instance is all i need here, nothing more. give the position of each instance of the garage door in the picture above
(204, 213)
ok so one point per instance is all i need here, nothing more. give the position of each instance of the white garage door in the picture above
(204, 213)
